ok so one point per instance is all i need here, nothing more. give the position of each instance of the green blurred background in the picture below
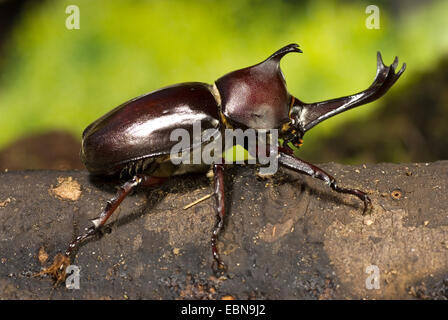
(55, 81)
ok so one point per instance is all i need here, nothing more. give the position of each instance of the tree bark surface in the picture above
(288, 236)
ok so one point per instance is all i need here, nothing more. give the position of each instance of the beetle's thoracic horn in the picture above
(307, 115)
(256, 96)
(293, 47)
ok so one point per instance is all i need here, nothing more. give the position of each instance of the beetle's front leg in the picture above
(298, 165)
(218, 176)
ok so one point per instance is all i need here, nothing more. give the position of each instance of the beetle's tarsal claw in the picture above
(219, 268)
(57, 269)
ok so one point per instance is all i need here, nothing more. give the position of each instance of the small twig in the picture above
(197, 201)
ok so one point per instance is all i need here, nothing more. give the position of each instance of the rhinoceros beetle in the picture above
(133, 140)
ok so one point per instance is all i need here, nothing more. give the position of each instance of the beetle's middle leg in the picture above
(289, 161)
(219, 192)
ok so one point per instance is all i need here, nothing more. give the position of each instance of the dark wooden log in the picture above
(285, 237)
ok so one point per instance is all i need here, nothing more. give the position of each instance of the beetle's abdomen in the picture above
(141, 127)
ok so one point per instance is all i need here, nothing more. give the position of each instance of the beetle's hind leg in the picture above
(61, 261)
(138, 180)
(298, 165)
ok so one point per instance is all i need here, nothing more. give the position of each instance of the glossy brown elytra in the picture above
(133, 140)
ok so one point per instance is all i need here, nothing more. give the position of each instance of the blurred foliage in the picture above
(55, 78)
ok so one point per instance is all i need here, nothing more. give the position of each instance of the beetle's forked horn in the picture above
(310, 114)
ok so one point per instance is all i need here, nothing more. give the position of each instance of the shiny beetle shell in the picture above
(140, 128)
